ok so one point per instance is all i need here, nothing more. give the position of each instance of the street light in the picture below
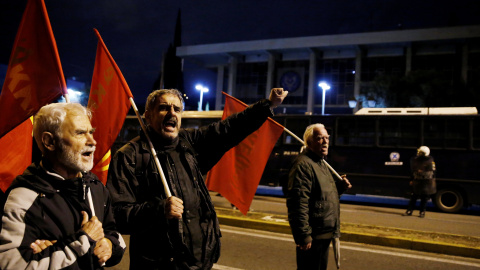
(325, 86)
(202, 90)
(352, 103)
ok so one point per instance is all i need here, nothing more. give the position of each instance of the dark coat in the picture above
(139, 197)
(42, 206)
(313, 199)
(423, 175)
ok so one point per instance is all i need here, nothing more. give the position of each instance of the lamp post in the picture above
(202, 90)
(325, 86)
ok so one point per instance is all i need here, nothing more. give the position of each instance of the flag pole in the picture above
(154, 153)
(326, 163)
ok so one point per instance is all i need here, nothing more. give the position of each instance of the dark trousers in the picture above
(314, 258)
(423, 202)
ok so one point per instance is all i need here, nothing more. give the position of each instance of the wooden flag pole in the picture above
(154, 153)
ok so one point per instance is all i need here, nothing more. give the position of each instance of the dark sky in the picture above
(137, 32)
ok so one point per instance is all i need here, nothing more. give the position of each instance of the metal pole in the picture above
(323, 101)
(201, 100)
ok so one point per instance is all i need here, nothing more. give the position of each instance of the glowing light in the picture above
(325, 86)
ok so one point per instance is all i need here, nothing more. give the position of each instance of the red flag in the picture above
(109, 102)
(243, 165)
(34, 76)
(17, 154)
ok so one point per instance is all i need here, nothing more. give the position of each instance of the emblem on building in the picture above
(290, 81)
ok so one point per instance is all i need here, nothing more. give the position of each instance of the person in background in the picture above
(47, 220)
(313, 200)
(182, 231)
(423, 180)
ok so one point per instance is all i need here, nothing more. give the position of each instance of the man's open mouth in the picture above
(170, 124)
(88, 153)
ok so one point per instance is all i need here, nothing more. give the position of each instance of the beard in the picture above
(73, 159)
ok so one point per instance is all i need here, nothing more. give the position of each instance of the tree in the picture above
(421, 88)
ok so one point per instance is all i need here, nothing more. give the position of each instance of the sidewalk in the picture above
(380, 226)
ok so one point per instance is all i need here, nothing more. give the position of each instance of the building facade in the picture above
(420, 67)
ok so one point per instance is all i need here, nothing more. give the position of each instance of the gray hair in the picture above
(51, 117)
(158, 93)
(307, 136)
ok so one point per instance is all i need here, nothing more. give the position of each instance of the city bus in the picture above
(373, 148)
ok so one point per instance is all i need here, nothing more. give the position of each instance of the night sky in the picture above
(137, 33)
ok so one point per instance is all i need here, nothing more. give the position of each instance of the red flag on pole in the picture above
(34, 75)
(243, 165)
(109, 102)
(17, 153)
(34, 78)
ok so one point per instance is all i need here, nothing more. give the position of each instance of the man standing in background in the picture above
(423, 180)
(313, 201)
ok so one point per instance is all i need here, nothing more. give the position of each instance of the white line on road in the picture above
(346, 246)
(223, 267)
(274, 237)
(412, 256)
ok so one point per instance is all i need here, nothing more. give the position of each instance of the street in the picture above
(461, 224)
(250, 249)
(253, 249)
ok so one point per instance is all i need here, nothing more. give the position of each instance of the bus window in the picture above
(476, 133)
(297, 126)
(457, 133)
(399, 132)
(355, 131)
(433, 131)
(447, 133)
(192, 123)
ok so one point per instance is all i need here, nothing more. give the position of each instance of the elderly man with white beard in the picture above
(57, 214)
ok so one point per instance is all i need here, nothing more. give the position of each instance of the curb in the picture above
(375, 235)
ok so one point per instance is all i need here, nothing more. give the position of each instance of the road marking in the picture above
(223, 267)
(346, 246)
(273, 237)
(412, 256)
(270, 218)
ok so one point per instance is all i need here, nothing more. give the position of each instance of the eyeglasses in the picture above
(168, 107)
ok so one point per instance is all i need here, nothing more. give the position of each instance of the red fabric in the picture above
(34, 75)
(16, 154)
(101, 168)
(237, 174)
(109, 102)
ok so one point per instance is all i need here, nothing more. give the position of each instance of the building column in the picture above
(232, 75)
(312, 72)
(408, 59)
(218, 92)
(464, 68)
(358, 77)
(272, 58)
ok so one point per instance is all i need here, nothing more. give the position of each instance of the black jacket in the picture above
(313, 199)
(44, 206)
(139, 197)
(423, 175)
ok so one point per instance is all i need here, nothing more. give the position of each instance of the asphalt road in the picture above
(460, 224)
(246, 249)
(253, 249)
